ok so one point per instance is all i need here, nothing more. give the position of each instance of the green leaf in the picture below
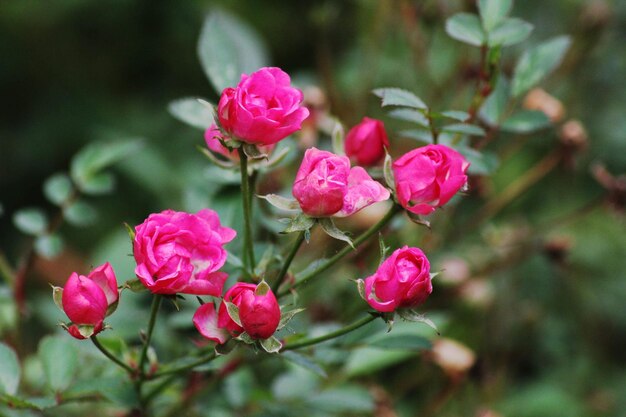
(510, 32)
(536, 63)
(193, 111)
(286, 316)
(399, 97)
(233, 312)
(466, 27)
(331, 230)
(80, 213)
(304, 362)
(228, 48)
(246, 338)
(410, 342)
(32, 221)
(118, 389)
(9, 370)
(59, 359)
(338, 137)
(360, 286)
(464, 129)
(281, 202)
(526, 121)
(388, 172)
(262, 288)
(96, 156)
(493, 12)
(37, 404)
(299, 223)
(349, 399)
(58, 188)
(219, 162)
(494, 107)
(410, 115)
(135, 285)
(419, 135)
(481, 162)
(411, 315)
(461, 116)
(49, 246)
(97, 184)
(57, 296)
(271, 344)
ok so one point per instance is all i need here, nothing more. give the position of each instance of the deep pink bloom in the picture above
(205, 320)
(259, 314)
(366, 142)
(263, 109)
(326, 186)
(401, 281)
(178, 252)
(87, 300)
(428, 177)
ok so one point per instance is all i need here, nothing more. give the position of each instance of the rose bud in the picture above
(366, 142)
(259, 312)
(87, 300)
(325, 185)
(263, 109)
(401, 281)
(178, 252)
(428, 177)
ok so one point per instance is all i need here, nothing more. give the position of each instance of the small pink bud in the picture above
(366, 142)
(233, 295)
(259, 314)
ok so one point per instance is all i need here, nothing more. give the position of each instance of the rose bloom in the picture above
(259, 315)
(428, 177)
(325, 185)
(212, 138)
(87, 300)
(178, 252)
(401, 281)
(263, 109)
(366, 142)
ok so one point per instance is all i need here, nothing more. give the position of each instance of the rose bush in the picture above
(263, 109)
(428, 177)
(178, 252)
(325, 185)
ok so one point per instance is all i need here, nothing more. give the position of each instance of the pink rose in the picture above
(428, 177)
(401, 281)
(87, 300)
(263, 109)
(205, 320)
(326, 186)
(366, 142)
(259, 313)
(178, 252)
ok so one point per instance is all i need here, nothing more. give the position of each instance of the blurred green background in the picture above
(542, 303)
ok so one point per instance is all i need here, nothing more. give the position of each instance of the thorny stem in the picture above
(331, 335)
(358, 241)
(112, 357)
(288, 260)
(248, 249)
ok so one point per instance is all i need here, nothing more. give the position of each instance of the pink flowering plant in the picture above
(236, 278)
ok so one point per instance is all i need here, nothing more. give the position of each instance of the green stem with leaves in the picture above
(248, 245)
(112, 357)
(183, 368)
(288, 260)
(357, 242)
(337, 333)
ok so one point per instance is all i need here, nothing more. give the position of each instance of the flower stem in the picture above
(187, 367)
(331, 335)
(288, 260)
(358, 241)
(109, 355)
(248, 249)
(156, 302)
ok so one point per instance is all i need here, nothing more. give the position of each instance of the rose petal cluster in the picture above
(263, 109)
(178, 252)
(325, 185)
(259, 314)
(87, 300)
(428, 177)
(366, 142)
(401, 281)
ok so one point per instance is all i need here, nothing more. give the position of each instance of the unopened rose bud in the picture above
(366, 142)
(87, 300)
(538, 99)
(453, 357)
(259, 313)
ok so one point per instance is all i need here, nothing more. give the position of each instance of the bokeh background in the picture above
(535, 294)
